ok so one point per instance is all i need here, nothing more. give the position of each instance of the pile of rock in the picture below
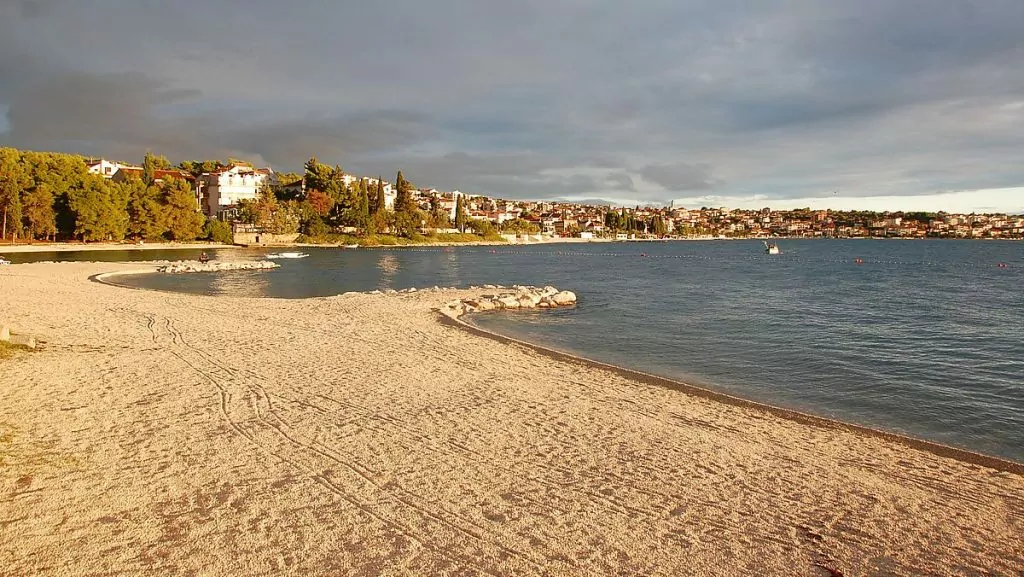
(519, 297)
(196, 266)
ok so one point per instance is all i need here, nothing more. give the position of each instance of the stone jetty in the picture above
(219, 266)
(518, 297)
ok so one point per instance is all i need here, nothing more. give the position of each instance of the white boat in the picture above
(351, 246)
(771, 248)
(288, 255)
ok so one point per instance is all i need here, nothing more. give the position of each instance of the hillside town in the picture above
(219, 193)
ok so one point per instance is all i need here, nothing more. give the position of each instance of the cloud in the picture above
(539, 97)
(680, 176)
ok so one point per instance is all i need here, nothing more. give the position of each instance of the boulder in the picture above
(526, 302)
(564, 298)
(507, 302)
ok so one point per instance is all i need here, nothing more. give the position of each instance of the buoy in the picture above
(858, 261)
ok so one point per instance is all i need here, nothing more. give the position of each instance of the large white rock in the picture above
(526, 302)
(507, 302)
(564, 298)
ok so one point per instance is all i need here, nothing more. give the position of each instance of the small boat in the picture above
(771, 248)
(351, 246)
(288, 255)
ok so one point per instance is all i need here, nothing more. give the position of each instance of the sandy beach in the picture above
(106, 246)
(159, 433)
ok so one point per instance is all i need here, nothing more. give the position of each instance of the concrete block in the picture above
(23, 340)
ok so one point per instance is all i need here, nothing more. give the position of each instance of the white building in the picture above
(105, 167)
(229, 185)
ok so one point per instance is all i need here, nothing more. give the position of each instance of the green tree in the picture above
(460, 213)
(519, 226)
(145, 211)
(269, 214)
(152, 163)
(198, 167)
(13, 181)
(101, 211)
(218, 231)
(318, 175)
(481, 226)
(40, 220)
(363, 215)
(184, 222)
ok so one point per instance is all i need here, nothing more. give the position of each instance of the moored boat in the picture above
(288, 255)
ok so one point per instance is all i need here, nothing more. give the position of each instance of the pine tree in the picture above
(382, 204)
(460, 214)
(145, 211)
(402, 199)
(364, 208)
(40, 220)
(182, 217)
(152, 163)
(101, 212)
(14, 179)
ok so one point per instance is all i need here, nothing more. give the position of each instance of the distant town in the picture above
(54, 196)
(220, 191)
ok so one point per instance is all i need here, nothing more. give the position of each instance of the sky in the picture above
(873, 104)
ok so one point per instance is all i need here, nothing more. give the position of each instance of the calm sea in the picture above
(924, 338)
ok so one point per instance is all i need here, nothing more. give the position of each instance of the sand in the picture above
(158, 433)
(106, 246)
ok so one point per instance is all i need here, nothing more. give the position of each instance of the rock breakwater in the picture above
(196, 266)
(518, 297)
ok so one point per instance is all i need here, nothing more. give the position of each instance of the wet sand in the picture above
(158, 433)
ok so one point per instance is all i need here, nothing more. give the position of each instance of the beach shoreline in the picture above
(112, 246)
(167, 432)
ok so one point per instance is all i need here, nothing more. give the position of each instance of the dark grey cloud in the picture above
(538, 97)
(681, 176)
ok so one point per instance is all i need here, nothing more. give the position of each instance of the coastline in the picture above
(939, 449)
(164, 432)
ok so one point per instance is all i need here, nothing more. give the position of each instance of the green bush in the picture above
(218, 231)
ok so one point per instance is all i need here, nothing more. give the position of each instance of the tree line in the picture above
(52, 196)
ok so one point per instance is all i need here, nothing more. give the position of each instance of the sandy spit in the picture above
(107, 246)
(158, 433)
